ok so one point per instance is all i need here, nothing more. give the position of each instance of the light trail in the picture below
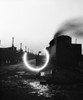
(36, 69)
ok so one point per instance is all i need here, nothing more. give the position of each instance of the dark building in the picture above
(10, 55)
(7, 55)
(67, 54)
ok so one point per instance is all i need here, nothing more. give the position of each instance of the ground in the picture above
(18, 83)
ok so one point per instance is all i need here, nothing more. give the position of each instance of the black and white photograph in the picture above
(41, 49)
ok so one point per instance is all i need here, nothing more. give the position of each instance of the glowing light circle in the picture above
(36, 69)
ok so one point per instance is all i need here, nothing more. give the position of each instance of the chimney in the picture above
(0, 42)
(26, 48)
(76, 41)
(20, 46)
(12, 41)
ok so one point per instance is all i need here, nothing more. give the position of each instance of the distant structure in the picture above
(20, 46)
(39, 58)
(39, 53)
(25, 48)
(12, 41)
(10, 55)
(0, 42)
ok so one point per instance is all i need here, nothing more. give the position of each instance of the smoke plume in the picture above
(73, 27)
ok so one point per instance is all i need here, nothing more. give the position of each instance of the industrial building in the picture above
(10, 55)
